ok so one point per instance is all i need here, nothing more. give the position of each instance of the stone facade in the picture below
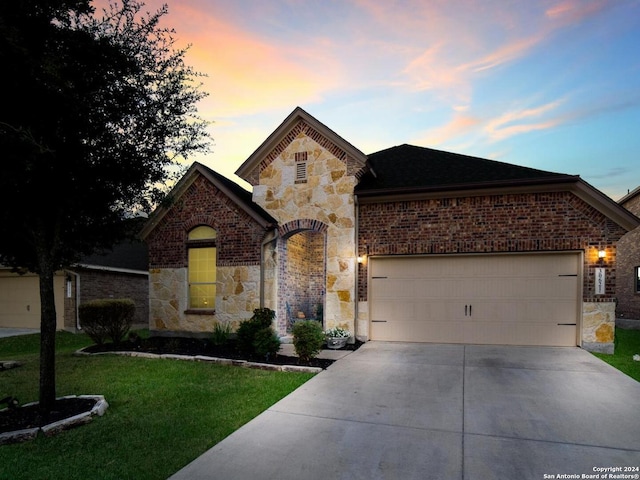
(628, 260)
(238, 245)
(324, 204)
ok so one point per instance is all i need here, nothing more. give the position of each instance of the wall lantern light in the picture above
(602, 254)
(361, 259)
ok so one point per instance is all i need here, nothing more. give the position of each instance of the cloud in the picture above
(521, 121)
(459, 125)
(575, 11)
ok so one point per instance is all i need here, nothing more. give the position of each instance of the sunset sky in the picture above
(547, 84)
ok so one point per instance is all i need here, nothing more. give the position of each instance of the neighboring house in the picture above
(121, 273)
(628, 260)
(406, 244)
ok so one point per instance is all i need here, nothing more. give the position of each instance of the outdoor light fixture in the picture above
(361, 259)
(602, 253)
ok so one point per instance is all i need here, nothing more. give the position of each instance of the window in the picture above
(202, 268)
(301, 167)
(637, 281)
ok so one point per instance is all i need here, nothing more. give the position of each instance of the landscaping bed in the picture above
(205, 348)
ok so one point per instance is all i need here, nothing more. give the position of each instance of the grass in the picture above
(627, 345)
(162, 413)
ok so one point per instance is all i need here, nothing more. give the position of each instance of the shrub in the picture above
(221, 333)
(307, 339)
(248, 330)
(107, 318)
(266, 343)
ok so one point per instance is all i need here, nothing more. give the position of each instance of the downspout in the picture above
(356, 281)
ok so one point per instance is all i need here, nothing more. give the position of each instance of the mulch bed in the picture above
(195, 346)
(22, 418)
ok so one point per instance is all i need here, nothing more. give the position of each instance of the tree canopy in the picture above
(98, 111)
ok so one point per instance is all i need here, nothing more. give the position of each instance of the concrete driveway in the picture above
(423, 411)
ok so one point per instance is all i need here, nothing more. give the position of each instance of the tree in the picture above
(98, 114)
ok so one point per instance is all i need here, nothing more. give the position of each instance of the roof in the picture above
(408, 167)
(128, 255)
(629, 196)
(407, 171)
(235, 192)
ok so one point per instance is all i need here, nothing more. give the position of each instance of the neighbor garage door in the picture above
(485, 299)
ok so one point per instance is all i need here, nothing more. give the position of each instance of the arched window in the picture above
(201, 247)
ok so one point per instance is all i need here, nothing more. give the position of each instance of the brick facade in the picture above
(628, 259)
(239, 237)
(238, 244)
(533, 222)
(100, 284)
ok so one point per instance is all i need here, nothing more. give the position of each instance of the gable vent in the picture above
(301, 167)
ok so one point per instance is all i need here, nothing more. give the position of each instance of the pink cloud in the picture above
(574, 11)
(522, 121)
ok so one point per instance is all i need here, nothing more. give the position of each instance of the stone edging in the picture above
(56, 427)
(216, 360)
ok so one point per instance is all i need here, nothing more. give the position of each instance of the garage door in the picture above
(20, 301)
(485, 299)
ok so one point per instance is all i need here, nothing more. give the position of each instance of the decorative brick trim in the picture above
(295, 226)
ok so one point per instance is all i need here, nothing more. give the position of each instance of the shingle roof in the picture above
(408, 167)
(129, 255)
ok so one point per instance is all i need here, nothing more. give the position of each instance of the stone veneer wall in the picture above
(236, 298)
(598, 326)
(325, 198)
(238, 245)
(528, 222)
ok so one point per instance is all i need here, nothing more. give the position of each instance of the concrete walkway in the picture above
(12, 332)
(422, 411)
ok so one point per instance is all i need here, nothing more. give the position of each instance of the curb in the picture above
(54, 428)
(214, 360)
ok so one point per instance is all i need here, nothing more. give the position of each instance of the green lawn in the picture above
(627, 345)
(162, 413)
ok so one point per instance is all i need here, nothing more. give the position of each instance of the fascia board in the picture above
(283, 129)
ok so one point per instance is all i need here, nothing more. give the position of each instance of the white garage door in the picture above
(20, 301)
(485, 299)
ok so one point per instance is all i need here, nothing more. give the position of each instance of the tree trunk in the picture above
(47, 341)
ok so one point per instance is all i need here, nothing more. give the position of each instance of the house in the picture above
(628, 260)
(406, 244)
(120, 273)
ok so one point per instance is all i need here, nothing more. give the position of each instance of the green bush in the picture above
(107, 318)
(221, 333)
(307, 339)
(266, 343)
(249, 329)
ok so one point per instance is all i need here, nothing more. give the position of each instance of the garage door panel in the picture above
(488, 299)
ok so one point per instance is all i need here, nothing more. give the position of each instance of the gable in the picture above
(232, 192)
(300, 124)
(631, 201)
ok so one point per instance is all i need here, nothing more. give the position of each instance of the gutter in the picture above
(464, 187)
(111, 269)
